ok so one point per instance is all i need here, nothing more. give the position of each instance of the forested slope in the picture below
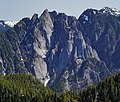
(25, 88)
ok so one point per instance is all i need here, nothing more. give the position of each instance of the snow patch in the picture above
(94, 12)
(110, 11)
(84, 22)
(11, 23)
(1, 23)
(46, 82)
(86, 17)
(4, 25)
(3, 72)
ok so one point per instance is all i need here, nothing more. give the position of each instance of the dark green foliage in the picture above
(25, 88)
(8, 53)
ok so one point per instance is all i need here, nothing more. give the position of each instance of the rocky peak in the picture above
(44, 14)
(46, 26)
(88, 17)
(34, 19)
(53, 15)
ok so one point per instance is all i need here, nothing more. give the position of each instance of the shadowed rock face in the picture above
(103, 34)
(65, 53)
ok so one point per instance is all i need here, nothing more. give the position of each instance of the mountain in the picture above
(63, 52)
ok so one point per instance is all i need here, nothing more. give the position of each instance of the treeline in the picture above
(25, 88)
(107, 91)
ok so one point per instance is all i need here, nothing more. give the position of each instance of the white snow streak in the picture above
(46, 82)
(11, 23)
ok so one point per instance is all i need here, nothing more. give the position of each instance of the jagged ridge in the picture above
(63, 52)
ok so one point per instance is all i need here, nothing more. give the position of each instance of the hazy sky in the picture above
(17, 9)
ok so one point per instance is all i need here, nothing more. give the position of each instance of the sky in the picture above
(18, 9)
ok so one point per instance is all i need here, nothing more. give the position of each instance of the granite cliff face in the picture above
(64, 52)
